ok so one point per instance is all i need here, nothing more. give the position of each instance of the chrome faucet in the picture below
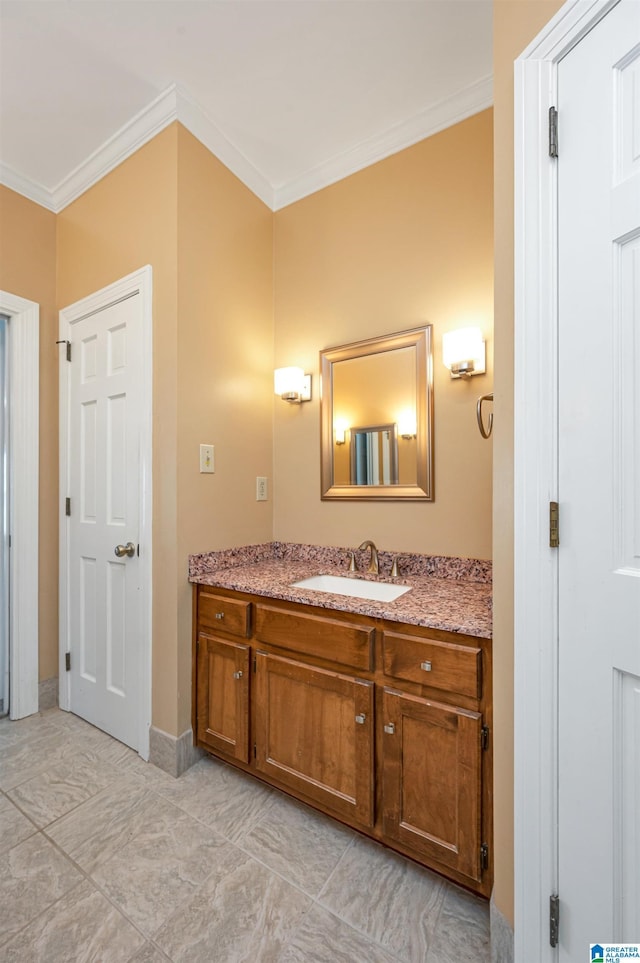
(373, 563)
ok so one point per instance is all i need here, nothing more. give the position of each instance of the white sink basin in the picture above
(358, 588)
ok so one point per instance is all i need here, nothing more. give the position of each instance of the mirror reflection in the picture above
(377, 414)
(374, 456)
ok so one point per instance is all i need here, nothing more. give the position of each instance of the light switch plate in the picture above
(261, 488)
(206, 459)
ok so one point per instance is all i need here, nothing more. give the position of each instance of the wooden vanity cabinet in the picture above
(223, 672)
(381, 725)
(222, 697)
(314, 734)
(431, 777)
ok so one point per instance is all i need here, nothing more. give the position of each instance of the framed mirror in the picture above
(377, 418)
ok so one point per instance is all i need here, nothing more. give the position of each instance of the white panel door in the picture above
(599, 486)
(104, 617)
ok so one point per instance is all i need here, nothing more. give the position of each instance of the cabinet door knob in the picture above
(237, 675)
(219, 616)
(426, 666)
(390, 728)
(360, 718)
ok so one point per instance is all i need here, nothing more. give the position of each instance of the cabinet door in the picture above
(432, 780)
(223, 696)
(314, 733)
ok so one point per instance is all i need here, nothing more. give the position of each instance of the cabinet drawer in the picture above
(323, 638)
(224, 614)
(439, 665)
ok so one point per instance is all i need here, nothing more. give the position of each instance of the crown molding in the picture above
(134, 134)
(175, 103)
(466, 102)
(192, 116)
(24, 185)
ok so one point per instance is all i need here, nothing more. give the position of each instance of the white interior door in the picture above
(4, 515)
(599, 486)
(105, 576)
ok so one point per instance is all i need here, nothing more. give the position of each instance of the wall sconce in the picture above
(407, 427)
(292, 384)
(340, 429)
(463, 352)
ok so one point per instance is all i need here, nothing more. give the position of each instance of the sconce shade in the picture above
(288, 380)
(407, 425)
(292, 384)
(340, 427)
(463, 352)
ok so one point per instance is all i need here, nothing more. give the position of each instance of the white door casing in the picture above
(105, 469)
(536, 476)
(599, 486)
(24, 399)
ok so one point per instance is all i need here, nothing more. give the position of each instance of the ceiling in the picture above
(290, 94)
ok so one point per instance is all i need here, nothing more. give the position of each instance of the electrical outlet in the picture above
(261, 489)
(206, 459)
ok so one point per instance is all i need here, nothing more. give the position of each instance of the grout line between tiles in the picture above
(96, 886)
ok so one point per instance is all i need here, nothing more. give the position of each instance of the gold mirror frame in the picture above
(422, 340)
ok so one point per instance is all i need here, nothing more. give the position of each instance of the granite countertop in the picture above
(451, 594)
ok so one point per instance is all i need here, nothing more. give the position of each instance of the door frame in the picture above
(139, 282)
(536, 476)
(24, 491)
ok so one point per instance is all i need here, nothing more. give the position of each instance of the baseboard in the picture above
(172, 754)
(501, 936)
(48, 694)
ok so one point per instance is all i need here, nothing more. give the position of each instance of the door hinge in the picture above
(553, 132)
(484, 737)
(255, 751)
(554, 919)
(484, 856)
(67, 661)
(255, 664)
(67, 506)
(554, 525)
(68, 344)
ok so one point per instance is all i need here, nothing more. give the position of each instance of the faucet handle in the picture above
(395, 571)
(352, 562)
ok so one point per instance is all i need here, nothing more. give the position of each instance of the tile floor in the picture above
(106, 858)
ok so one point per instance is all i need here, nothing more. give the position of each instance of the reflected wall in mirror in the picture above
(377, 418)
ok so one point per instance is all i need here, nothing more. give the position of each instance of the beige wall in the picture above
(125, 221)
(28, 270)
(225, 369)
(405, 242)
(516, 23)
(209, 241)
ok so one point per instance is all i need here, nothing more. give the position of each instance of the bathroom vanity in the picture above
(377, 713)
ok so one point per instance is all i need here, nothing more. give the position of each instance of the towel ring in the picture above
(485, 432)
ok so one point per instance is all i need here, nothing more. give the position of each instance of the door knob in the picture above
(129, 549)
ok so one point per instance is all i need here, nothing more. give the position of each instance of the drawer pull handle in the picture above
(237, 675)
(426, 666)
(390, 728)
(219, 616)
(360, 718)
